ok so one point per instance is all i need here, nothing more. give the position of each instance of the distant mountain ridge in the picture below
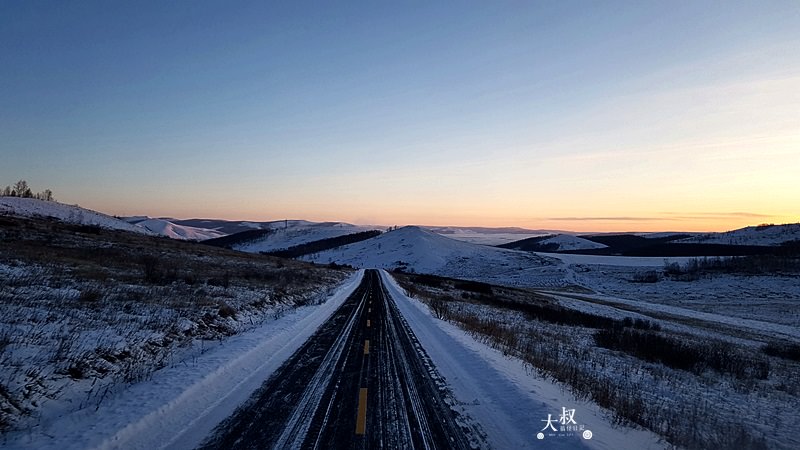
(768, 234)
(554, 243)
(762, 239)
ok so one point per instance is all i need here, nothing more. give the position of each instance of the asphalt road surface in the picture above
(361, 381)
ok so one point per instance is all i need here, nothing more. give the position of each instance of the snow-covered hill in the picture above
(756, 235)
(236, 226)
(422, 251)
(174, 231)
(29, 207)
(487, 236)
(293, 233)
(566, 242)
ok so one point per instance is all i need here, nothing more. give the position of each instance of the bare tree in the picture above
(21, 187)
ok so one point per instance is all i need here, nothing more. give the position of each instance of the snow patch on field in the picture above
(182, 404)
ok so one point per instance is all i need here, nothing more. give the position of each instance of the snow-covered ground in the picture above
(182, 403)
(697, 409)
(29, 207)
(617, 261)
(768, 302)
(511, 404)
(422, 251)
(284, 237)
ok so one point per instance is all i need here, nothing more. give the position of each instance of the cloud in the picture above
(620, 219)
(668, 216)
(717, 215)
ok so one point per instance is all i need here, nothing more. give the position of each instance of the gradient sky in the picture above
(581, 115)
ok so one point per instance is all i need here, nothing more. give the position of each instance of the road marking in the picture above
(369, 310)
(361, 421)
(366, 347)
(367, 323)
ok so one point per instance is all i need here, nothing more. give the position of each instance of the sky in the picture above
(576, 115)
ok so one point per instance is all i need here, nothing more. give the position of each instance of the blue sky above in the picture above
(483, 113)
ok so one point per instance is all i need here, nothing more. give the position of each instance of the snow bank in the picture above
(182, 404)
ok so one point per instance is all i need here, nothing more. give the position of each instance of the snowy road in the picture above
(362, 381)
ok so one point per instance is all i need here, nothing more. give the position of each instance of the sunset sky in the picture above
(577, 115)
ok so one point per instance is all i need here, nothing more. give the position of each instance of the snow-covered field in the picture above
(84, 312)
(616, 261)
(180, 404)
(768, 299)
(511, 404)
(417, 250)
(692, 407)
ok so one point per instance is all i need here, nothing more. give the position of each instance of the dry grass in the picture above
(693, 390)
(100, 308)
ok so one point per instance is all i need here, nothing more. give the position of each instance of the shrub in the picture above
(691, 356)
(226, 311)
(785, 351)
(90, 295)
(650, 276)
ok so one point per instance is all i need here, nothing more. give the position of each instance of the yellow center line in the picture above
(366, 347)
(361, 421)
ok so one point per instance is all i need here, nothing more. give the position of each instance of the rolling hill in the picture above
(73, 214)
(415, 249)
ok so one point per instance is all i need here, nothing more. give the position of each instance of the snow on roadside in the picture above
(501, 394)
(182, 404)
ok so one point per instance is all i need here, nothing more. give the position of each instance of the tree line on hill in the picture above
(22, 190)
(323, 244)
